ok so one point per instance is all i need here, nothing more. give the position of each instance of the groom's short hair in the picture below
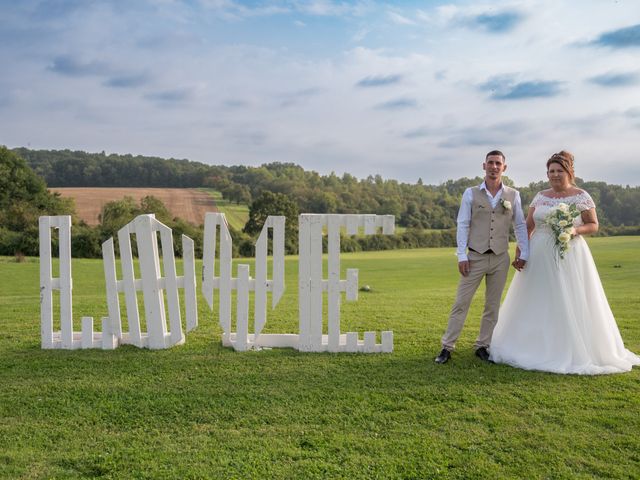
(496, 152)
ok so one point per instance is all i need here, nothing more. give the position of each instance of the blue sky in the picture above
(407, 90)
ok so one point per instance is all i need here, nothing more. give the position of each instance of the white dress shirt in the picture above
(464, 220)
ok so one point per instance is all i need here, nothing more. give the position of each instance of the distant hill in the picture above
(417, 205)
(186, 203)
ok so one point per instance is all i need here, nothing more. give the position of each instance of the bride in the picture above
(555, 316)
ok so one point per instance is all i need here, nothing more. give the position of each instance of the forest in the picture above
(427, 213)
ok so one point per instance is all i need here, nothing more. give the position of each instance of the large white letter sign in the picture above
(65, 338)
(243, 283)
(159, 284)
(152, 283)
(212, 223)
(311, 284)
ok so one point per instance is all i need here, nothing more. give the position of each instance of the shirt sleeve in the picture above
(520, 227)
(464, 220)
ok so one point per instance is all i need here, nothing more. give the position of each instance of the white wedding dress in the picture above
(555, 316)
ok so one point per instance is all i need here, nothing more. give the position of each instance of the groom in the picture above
(485, 215)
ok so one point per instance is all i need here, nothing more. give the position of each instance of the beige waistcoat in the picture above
(489, 227)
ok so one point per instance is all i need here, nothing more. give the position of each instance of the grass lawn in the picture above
(237, 215)
(204, 411)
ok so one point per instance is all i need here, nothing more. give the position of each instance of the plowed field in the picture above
(186, 203)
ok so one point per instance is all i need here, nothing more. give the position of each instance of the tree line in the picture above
(414, 205)
(427, 212)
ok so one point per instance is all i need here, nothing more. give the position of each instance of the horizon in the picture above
(406, 91)
(470, 177)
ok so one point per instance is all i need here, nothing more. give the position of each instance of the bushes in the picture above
(181, 227)
(413, 238)
(85, 242)
(11, 243)
(23, 198)
(607, 230)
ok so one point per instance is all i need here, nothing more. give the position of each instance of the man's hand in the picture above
(519, 264)
(463, 267)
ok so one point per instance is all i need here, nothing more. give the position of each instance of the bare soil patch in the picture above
(186, 203)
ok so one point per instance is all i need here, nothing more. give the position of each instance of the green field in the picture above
(237, 215)
(203, 411)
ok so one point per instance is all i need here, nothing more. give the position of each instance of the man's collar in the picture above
(483, 186)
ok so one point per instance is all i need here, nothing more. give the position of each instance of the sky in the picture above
(406, 90)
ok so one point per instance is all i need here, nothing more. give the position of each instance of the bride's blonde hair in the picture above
(565, 160)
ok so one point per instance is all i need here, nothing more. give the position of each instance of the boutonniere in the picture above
(506, 204)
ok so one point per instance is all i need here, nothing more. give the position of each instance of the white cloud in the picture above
(281, 86)
(400, 19)
(232, 10)
(331, 8)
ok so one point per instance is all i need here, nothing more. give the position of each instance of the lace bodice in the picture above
(543, 205)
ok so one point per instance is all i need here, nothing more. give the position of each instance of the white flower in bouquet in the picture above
(560, 221)
(564, 237)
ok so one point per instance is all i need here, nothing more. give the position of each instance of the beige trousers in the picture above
(494, 269)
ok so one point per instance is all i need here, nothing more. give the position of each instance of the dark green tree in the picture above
(117, 214)
(151, 204)
(269, 203)
(23, 198)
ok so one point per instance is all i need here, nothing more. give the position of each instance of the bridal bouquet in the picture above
(560, 220)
